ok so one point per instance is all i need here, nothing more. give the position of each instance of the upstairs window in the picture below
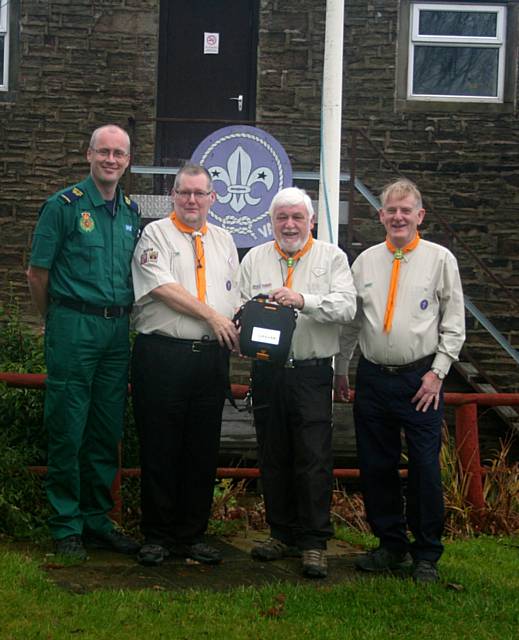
(457, 52)
(4, 44)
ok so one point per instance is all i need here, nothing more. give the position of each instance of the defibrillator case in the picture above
(266, 329)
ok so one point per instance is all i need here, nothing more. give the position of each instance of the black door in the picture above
(198, 91)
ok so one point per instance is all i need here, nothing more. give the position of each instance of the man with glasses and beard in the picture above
(293, 403)
(185, 274)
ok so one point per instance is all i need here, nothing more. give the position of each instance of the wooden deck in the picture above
(238, 440)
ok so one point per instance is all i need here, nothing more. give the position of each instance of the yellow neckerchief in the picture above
(292, 260)
(393, 285)
(196, 234)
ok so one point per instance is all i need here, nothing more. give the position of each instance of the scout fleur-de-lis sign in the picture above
(248, 167)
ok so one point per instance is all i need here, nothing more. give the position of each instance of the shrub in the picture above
(23, 508)
(21, 346)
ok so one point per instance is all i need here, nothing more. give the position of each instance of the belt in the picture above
(403, 368)
(310, 362)
(90, 309)
(196, 346)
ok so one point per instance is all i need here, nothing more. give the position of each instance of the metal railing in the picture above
(466, 438)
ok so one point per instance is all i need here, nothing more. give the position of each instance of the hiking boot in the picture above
(425, 571)
(315, 564)
(199, 551)
(151, 555)
(71, 547)
(112, 541)
(274, 549)
(382, 559)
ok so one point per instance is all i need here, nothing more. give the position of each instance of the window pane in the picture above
(2, 46)
(465, 71)
(458, 23)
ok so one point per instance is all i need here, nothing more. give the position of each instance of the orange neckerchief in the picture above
(292, 260)
(199, 253)
(393, 285)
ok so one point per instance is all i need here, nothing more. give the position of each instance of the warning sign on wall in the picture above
(211, 42)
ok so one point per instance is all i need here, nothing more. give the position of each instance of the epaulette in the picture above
(71, 194)
(132, 204)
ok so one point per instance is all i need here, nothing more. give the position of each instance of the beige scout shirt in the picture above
(323, 277)
(165, 255)
(429, 315)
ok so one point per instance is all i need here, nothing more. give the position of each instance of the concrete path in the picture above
(106, 570)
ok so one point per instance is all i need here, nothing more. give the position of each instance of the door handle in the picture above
(239, 100)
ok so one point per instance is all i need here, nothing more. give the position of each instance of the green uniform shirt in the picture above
(87, 251)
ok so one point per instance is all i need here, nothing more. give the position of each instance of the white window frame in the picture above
(499, 42)
(4, 30)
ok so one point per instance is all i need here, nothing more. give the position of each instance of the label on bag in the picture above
(268, 336)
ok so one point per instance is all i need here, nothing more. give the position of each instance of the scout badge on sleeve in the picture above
(266, 329)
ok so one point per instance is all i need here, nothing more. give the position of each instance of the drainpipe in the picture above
(331, 120)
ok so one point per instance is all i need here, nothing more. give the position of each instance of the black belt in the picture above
(310, 362)
(195, 345)
(403, 368)
(90, 309)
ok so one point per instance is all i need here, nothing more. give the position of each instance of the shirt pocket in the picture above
(318, 281)
(128, 244)
(89, 254)
(423, 302)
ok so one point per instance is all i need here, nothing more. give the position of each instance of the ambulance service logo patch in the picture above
(86, 222)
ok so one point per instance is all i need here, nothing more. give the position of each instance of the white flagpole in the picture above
(331, 116)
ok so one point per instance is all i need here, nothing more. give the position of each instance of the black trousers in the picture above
(293, 413)
(382, 410)
(178, 396)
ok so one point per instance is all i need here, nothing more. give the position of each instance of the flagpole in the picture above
(331, 124)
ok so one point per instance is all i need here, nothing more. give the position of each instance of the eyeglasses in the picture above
(406, 211)
(118, 154)
(198, 195)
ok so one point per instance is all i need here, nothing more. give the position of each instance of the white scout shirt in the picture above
(164, 255)
(323, 277)
(429, 316)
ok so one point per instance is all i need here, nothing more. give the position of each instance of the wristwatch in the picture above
(440, 374)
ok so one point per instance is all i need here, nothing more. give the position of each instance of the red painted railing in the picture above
(467, 438)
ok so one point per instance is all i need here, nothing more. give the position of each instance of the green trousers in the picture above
(87, 364)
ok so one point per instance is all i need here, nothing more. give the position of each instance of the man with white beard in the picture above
(293, 403)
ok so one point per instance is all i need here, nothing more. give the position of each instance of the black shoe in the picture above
(425, 571)
(151, 555)
(381, 560)
(71, 547)
(315, 564)
(198, 551)
(274, 549)
(112, 541)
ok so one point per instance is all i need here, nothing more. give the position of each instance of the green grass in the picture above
(478, 599)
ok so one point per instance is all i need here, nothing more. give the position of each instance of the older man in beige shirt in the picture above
(410, 327)
(293, 404)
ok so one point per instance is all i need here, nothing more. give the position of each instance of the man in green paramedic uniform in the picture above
(80, 281)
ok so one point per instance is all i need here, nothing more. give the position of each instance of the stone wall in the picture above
(81, 64)
(465, 159)
(89, 62)
(290, 61)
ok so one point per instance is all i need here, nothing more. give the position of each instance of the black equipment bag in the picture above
(266, 329)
